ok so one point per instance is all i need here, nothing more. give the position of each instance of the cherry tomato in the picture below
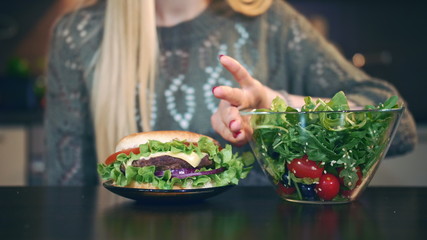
(304, 168)
(283, 190)
(328, 187)
(113, 157)
(347, 193)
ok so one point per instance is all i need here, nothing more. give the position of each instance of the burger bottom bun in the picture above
(135, 139)
(135, 184)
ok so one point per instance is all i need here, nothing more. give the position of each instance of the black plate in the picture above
(166, 196)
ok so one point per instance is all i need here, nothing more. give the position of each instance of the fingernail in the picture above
(236, 134)
(213, 89)
(220, 56)
(231, 122)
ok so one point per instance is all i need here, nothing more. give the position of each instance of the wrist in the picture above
(270, 94)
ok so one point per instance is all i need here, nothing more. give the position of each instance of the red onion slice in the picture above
(189, 172)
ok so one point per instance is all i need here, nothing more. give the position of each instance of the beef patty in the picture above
(166, 162)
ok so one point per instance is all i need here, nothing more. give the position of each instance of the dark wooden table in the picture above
(239, 213)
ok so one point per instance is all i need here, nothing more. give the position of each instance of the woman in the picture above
(119, 67)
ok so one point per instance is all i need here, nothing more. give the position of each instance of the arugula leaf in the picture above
(278, 105)
(338, 102)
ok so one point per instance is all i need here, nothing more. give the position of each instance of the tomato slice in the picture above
(113, 157)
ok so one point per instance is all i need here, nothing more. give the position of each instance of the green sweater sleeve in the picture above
(70, 158)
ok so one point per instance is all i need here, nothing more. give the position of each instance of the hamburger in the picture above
(173, 160)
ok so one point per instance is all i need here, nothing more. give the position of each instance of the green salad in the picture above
(324, 151)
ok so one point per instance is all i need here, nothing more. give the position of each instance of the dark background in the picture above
(17, 19)
(391, 36)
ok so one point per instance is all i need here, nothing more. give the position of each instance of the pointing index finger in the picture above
(239, 73)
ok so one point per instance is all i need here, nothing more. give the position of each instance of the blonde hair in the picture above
(127, 62)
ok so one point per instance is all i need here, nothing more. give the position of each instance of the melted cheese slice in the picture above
(193, 159)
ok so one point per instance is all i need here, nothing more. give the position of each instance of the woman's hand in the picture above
(227, 121)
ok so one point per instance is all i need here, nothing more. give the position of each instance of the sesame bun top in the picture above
(135, 139)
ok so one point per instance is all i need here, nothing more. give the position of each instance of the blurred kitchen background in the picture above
(386, 39)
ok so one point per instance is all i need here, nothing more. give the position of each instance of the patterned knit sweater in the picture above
(279, 48)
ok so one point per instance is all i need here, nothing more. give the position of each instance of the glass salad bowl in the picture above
(324, 152)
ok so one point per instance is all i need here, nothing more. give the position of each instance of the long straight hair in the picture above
(127, 62)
